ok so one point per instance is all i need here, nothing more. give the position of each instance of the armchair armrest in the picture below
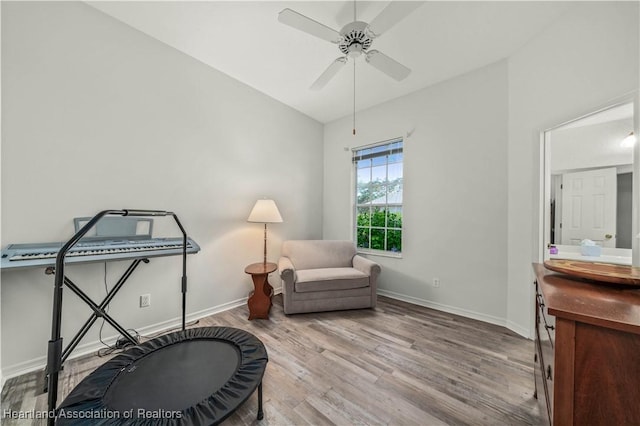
(367, 266)
(287, 270)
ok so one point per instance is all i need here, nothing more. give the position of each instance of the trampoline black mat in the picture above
(193, 377)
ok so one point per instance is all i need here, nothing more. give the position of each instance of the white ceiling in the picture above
(244, 39)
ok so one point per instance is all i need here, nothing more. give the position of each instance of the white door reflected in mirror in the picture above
(589, 207)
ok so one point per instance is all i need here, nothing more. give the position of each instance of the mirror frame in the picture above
(545, 176)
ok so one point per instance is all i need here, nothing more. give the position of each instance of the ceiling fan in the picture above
(355, 39)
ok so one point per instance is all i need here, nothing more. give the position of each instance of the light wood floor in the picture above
(399, 364)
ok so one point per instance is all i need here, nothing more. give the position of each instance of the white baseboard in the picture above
(453, 310)
(517, 328)
(90, 347)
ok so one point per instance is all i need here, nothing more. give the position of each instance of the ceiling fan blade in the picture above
(308, 25)
(329, 73)
(387, 65)
(395, 12)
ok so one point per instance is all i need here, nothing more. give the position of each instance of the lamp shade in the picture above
(265, 211)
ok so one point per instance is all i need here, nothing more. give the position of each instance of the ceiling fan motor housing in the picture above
(355, 39)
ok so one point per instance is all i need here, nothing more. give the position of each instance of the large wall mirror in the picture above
(589, 187)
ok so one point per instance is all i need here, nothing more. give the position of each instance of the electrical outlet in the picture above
(436, 282)
(145, 300)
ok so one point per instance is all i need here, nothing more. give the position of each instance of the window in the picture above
(378, 195)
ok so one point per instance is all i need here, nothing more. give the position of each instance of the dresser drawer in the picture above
(546, 336)
(542, 393)
(545, 343)
(546, 323)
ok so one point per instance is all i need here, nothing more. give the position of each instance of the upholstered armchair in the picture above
(326, 275)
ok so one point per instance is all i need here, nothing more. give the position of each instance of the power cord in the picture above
(122, 343)
(106, 290)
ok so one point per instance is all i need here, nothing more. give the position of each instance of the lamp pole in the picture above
(265, 244)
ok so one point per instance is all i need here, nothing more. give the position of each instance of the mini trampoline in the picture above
(196, 376)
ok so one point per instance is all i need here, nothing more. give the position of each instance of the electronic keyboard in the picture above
(44, 254)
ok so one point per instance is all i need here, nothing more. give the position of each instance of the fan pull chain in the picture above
(354, 97)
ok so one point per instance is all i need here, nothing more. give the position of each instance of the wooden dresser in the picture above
(587, 358)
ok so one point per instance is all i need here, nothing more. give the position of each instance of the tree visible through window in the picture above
(378, 196)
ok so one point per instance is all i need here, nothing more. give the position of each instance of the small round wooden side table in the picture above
(260, 299)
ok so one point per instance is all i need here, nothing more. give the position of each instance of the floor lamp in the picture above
(265, 211)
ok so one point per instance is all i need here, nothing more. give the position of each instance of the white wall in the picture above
(98, 115)
(455, 193)
(585, 60)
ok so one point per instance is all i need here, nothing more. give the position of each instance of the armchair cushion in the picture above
(330, 279)
(314, 254)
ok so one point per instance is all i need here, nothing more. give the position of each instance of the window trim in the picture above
(381, 253)
(354, 195)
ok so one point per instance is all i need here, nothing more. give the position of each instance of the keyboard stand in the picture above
(99, 311)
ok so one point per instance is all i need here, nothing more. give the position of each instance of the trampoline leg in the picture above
(260, 412)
